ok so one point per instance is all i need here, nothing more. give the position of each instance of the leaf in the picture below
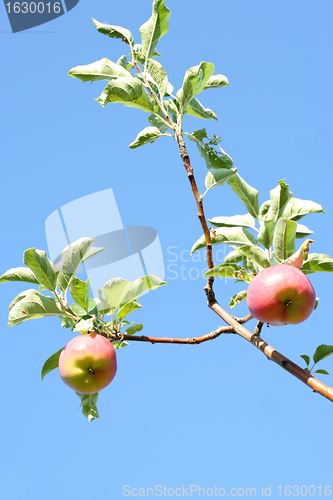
(245, 220)
(284, 240)
(208, 151)
(236, 299)
(195, 108)
(296, 260)
(33, 306)
(266, 232)
(306, 359)
(246, 193)
(119, 344)
(228, 235)
(66, 322)
(233, 257)
(51, 363)
(230, 271)
(194, 82)
(123, 61)
(159, 76)
(297, 208)
(133, 329)
(324, 372)
(255, 254)
(22, 295)
(279, 199)
(135, 288)
(84, 326)
(114, 31)
(126, 309)
(113, 290)
(302, 231)
(41, 266)
(216, 81)
(89, 405)
(218, 177)
(156, 122)
(318, 262)
(156, 27)
(19, 274)
(322, 352)
(148, 134)
(80, 291)
(128, 92)
(71, 258)
(104, 69)
(264, 209)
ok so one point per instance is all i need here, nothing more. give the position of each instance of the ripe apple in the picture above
(281, 295)
(88, 363)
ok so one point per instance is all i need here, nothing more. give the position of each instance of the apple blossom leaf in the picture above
(33, 306)
(246, 193)
(89, 405)
(51, 363)
(255, 254)
(322, 352)
(228, 235)
(135, 288)
(194, 82)
(127, 308)
(104, 69)
(153, 29)
(318, 262)
(284, 240)
(80, 291)
(324, 372)
(214, 158)
(216, 81)
(218, 177)
(196, 109)
(129, 92)
(230, 271)
(245, 220)
(114, 31)
(296, 208)
(236, 299)
(133, 329)
(79, 310)
(41, 266)
(306, 359)
(19, 274)
(159, 76)
(148, 134)
(233, 257)
(302, 231)
(280, 196)
(266, 232)
(119, 344)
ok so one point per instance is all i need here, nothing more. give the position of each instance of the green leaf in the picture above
(66, 322)
(279, 199)
(318, 262)
(92, 306)
(159, 76)
(22, 295)
(156, 122)
(156, 27)
(218, 177)
(236, 299)
(41, 266)
(216, 81)
(51, 363)
(306, 359)
(84, 325)
(148, 134)
(119, 344)
(233, 257)
(255, 254)
(80, 291)
(113, 290)
(229, 235)
(296, 208)
(19, 274)
(104, 69)
(79, 310)
(135, 288)
(126, 309)
(264, 209)
(123, 61)
(324, 372)
(114, 31)
(32, 306)
(208, 150)
(71, 258)
(246, 193)
(266, 232)
(133, 329)
(89, 405)
(284, 240)
(128, 92)
(322, 351)
(195, 108)
(302, 231)
(245, 220)
(194, 82)
(230, 271)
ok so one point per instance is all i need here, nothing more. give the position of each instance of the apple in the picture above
(281, 295)
(88, 363)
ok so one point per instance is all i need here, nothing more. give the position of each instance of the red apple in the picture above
(88, 363)
(281, 295)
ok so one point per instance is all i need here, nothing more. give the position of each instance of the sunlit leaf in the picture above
(158, 74)
(236, 299)
(104, 69)
(255, 254)
(228, 235)
(230, 271)
(148, 134)
(89, 405)
(19, 274)
(296, 208)
(246, 193)
(211, 151)
(31, 307)
(194, 82)
(284, 240)
(245, 220)
(279, 199)
(156, 27)
(133, 329)
(114, 31)
(127, 91)
(41, 266)
(51, 363)
(216, 81)
(127, 308)
(195, 108)
(322, 352)
(218, 177)
(266, 232)
(80, 291)
(318, 262)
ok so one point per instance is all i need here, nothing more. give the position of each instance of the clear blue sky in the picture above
(218, 414)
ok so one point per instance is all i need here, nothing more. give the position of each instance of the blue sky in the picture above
(218, 414)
